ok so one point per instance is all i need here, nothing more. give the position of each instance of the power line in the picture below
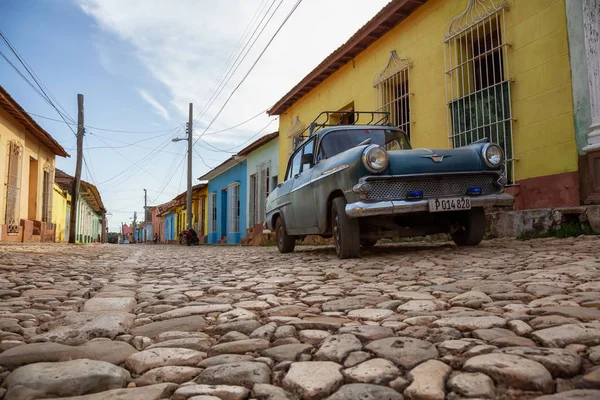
(103, 129)
(238, 125)
(252, 67)
(119, 153)
(40, 85)
(231, 150)
(226, 77)
(137, 163)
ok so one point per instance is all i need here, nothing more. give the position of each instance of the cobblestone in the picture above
(510, 319)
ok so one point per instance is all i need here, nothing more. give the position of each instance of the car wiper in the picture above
(366, 141)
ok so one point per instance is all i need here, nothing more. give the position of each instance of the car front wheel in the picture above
(346, 231)
(285, 242)
(471, 228)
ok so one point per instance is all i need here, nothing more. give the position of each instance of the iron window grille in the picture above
(392, 92)
(478, 80)
(233, 207)
(212, 206)
(13, 192)
(48, 190)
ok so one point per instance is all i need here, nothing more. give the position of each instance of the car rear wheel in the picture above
(368, 242)
(285, 242)
(471, 228)
(346, 231)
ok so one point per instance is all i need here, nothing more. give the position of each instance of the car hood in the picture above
(422, 161)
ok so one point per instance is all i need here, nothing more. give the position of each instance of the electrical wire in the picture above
(135, 166)
(238, 125)
(103, 129)
(251, 68)
(224, 78)
(40, 85)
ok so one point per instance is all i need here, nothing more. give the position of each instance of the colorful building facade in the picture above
(91, 214)
(450, 72)
(61, 213)
(262, 166)
(226, 220)
(27, 165)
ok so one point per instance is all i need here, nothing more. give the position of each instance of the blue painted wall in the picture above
(170, 226)
(217, 185)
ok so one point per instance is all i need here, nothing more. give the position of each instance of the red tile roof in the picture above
(17, 112)
(258, 143)
(385, 20)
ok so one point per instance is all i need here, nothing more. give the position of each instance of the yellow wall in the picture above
(197, 195)
(539, 66)
(10, 129)
(60, 198)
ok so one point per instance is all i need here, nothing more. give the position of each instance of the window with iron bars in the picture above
(48, 190)
(212, 209)
(233, 207)
(477, 78)
(13, 190)
(392, 92)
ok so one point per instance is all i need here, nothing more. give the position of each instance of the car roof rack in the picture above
(376, 118)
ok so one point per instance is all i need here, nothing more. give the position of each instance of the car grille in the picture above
(432, 187)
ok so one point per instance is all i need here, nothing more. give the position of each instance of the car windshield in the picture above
(339, 141)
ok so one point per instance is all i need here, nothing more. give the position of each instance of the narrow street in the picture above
(507, 319)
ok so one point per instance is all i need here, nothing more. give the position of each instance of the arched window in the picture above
(477, 78)
(392, 91)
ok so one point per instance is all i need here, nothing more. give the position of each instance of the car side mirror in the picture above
(307, 159)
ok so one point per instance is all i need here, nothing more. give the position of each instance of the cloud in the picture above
(186, 45)
(158, 108)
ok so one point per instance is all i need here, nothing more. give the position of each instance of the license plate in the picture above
(450, 204)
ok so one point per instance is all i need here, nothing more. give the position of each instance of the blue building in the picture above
(169, 227)
(227, 201)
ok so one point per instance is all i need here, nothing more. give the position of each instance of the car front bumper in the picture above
(392, 207)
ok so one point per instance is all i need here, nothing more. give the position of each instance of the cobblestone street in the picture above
(507, 319)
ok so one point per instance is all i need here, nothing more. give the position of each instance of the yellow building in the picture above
(27, 164)
(450, 72)
(61, 211)
(171, 217)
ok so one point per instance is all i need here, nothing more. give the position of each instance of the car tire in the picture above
(285, 242)
(472, 228)
(368, 242)
(346, 231)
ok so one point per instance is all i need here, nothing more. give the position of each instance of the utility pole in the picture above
(190, 140)
(134, 236)
(145, 214)
(189, 182)
(77, 180)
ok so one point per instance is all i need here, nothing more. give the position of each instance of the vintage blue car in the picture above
(360, 183)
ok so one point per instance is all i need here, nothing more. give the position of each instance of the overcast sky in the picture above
(140, 62)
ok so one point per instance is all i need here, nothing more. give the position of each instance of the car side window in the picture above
(308, 149)
(294, 168)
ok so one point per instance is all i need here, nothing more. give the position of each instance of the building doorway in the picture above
(33, 189)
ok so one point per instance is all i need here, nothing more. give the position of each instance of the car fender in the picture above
(334, 177)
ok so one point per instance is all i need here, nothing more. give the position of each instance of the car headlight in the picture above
(492, 155)
(375, 158)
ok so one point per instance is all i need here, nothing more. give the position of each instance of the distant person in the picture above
(155, 240)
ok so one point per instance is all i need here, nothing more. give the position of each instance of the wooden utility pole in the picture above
(189, 177)
(77, 180)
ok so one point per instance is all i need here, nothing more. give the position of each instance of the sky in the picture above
(139, 63)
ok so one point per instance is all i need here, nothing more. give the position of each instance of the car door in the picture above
(284, 202)
(302, 192)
